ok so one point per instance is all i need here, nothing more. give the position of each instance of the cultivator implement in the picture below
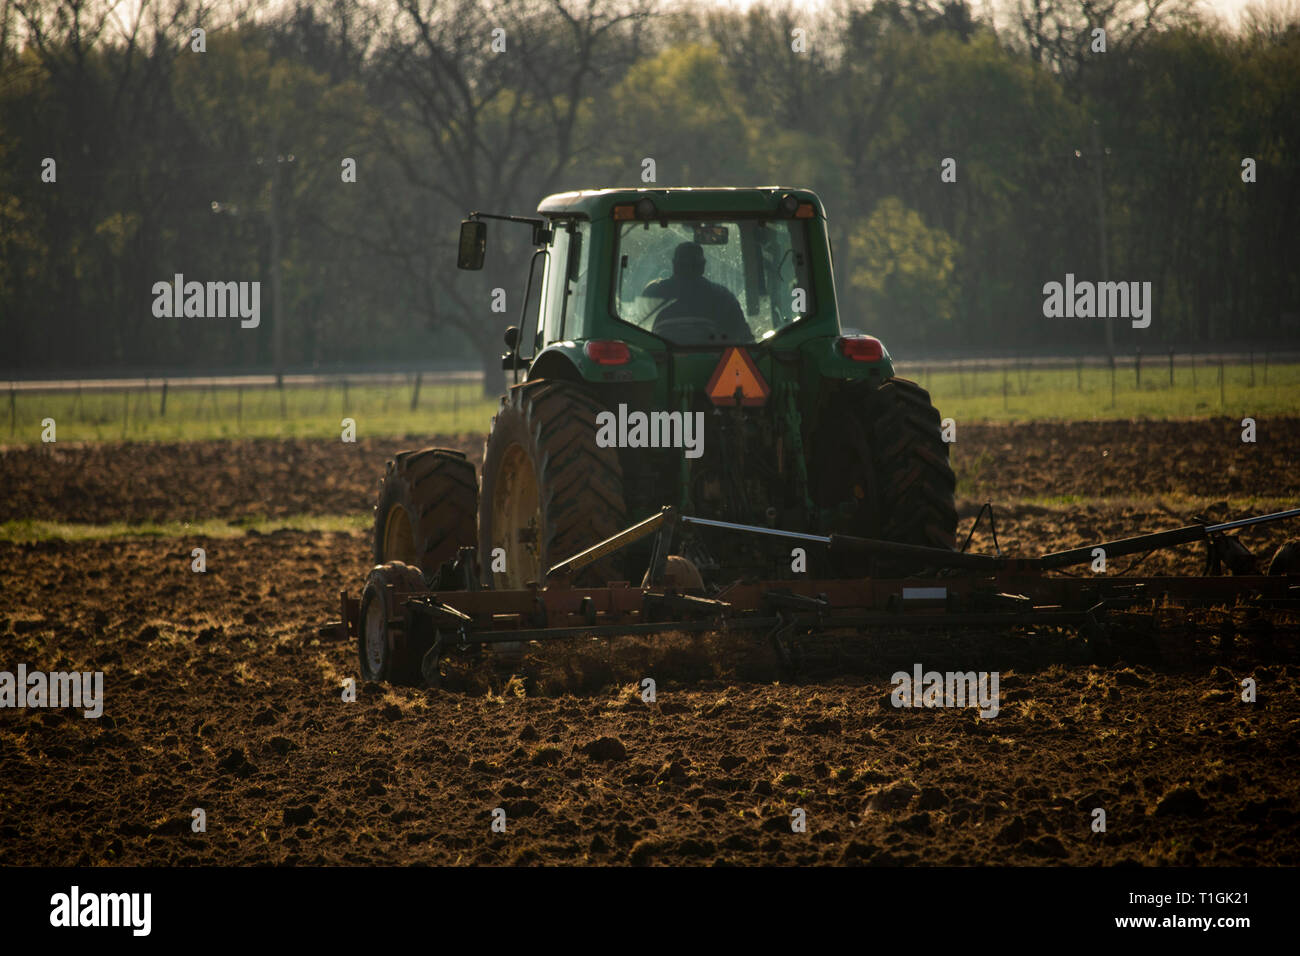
(403, 628)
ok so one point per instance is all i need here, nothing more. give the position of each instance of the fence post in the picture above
(415, 393)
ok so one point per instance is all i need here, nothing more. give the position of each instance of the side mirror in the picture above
(512, 337)
(473, 244)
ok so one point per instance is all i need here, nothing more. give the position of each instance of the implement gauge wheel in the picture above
(385, 649)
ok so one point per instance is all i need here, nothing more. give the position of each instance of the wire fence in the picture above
(250, 406)
(1167, 384)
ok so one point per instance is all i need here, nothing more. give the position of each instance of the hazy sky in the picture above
(1229, 10)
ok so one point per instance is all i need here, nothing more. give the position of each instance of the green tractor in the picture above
(684, 348)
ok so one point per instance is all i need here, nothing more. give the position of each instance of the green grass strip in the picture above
(28, 531)
(1085, 394)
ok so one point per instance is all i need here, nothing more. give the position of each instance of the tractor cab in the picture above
(634, 274)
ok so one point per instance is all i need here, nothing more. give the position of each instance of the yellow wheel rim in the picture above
(399, 539)
(516, 521)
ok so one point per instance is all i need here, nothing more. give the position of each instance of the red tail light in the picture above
(861, 348)
(608, 352)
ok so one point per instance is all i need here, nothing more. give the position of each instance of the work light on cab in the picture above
(608, 352)
(860, 348)
(792, 208)
(643, 209)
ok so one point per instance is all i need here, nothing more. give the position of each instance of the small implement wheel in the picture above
(385, 649)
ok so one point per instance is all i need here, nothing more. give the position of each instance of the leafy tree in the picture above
(904, 269)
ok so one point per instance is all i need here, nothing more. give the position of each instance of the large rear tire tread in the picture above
(882, 446)
(580, 484)
(916, 484)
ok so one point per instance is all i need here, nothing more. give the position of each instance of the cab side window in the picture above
(564, 288)
(553, 286)
(579, 258)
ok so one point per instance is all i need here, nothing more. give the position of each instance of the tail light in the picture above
(860, 348)
(608, 352)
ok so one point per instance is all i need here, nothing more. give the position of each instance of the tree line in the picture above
(328, 150)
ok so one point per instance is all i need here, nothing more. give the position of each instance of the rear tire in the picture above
(426, 509)
(549, 491)
(882, 448)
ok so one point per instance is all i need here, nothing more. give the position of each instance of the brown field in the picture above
(220, 695)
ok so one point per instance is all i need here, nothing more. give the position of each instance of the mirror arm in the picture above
(541, 233)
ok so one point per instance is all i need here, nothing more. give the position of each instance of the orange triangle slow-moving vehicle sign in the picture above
(735, 371)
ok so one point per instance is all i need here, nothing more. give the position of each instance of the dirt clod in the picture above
(605, 748)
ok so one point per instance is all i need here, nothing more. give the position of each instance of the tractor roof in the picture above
(599, 203)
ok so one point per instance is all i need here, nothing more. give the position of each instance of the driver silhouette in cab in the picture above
(687, 294)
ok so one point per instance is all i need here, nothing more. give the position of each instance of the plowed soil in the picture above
(220, 695)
